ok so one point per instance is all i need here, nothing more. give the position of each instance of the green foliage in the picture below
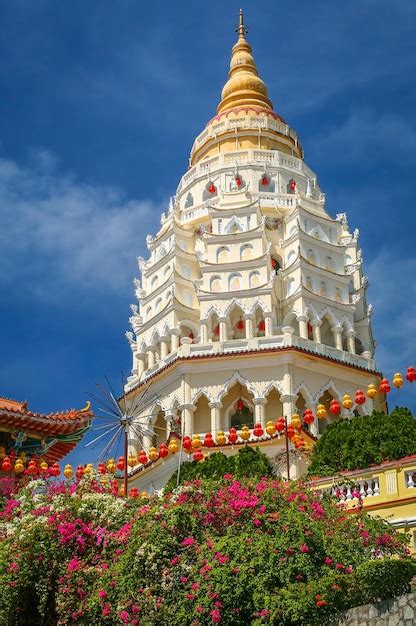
(361, 441)
(381, 578)
(249, 462)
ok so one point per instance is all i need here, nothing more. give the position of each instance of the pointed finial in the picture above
(241, 30)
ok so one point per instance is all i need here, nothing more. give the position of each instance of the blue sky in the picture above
(100, 103)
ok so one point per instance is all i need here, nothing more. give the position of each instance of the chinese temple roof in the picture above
(51, 435)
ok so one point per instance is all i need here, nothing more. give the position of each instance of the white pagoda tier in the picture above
(252, 295)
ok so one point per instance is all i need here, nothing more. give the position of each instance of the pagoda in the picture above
(252, 302)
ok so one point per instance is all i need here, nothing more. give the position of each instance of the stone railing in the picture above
(361, 489)
(334, 353)
(410, 479)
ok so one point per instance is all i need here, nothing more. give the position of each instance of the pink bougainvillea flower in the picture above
(106, 610)
(102, 593)
(124, 617)
(215, 616)
(188, 541)
(339, 566)
(304, 548)
(328, 560)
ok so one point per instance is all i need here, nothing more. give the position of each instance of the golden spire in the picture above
(244, 86)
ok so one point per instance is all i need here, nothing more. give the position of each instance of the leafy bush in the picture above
(249, 462)
(253, 551)
(361, 441)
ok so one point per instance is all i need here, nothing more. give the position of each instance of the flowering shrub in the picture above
(251, 551)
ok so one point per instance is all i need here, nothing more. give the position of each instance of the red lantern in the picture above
(163, 451)
(290, 431)
(217, 330)
(384, 386)
(310, 329)
(6, 465)
(359, 397)
(208, 440)
(191, 336)
(239, 405)
(80, 471)
(274, 263)
(292, 184)
(101, 468)
(258, 430)
(55, 470)
(280, 424)
(32, 468)
(142, 458)
(411, 374)
(232, 435)
(240, 325)
(121, 464)
(212, 188)
(238, 181)
(334, 407)
(197, 455)
(134, 492)
(264, 180)
(187, 443)
(262, 326)
(308, 416)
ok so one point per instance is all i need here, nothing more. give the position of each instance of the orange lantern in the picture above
(6, 465)
(111, 466)
(153, 454)
(196, 442)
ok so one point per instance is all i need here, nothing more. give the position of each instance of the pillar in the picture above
(249, 326)
(337, 331)
(204, 331)
(316, 327)
(150, 357)
(171, 416)
(303, 326)
(287, 335)
(141, 363)
(215, 417)
(351, 341)
(223, 328)
(164, 347)
(268, 322)
(259, 412)
(174, 338)
(187, 416)
(289, 405)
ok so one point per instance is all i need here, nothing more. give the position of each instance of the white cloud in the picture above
(61, 234)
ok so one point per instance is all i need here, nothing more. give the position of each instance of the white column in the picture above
(141, 363)
(249, 326)
(287, 335)
(268, 324)
(367, 354)
(187, 417)
(223, 328)
(288, 401)
(215, 417)
(174, 338)
(316, 326)
(204, 331)
(164, 347)
(259, 412)
(351, 341)
(171, 417)
(303, 326)
(150, 357)
(337, 330)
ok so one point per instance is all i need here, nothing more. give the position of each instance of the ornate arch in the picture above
(327, 312)
(201, 391)
(312, 313)
(235, 302)
(329, 386)
(274, 384)
(346, 323)
(234, 221)
(289, 317)
(306, 392)
(213, 310)
(259, 304)
(192, 325)
(236, 377)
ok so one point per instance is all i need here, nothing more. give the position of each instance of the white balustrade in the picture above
(365, 488)
(410, 478)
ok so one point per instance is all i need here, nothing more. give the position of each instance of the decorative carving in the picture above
(355, 298)
(134, 309)
(342, 218)
(129, 336)
(356, 234)
(369, 310)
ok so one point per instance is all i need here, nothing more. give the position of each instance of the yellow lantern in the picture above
(43, 465)
(372, 391)
(131, 460)
(68, 473)
(296, 438)
(104, 479)
(89, 468)
(221, 438)
(196, 442)
(153, 454)
(347, 402)
(321, 411)
(398, 380)
(270, 428)
(296, 421)
(245, 433)
(22, 456)
(18, 466)
(173, 446)
(111, 466)
(121, 490)
(144, 495)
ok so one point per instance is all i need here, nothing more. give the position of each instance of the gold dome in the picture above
(244, 86)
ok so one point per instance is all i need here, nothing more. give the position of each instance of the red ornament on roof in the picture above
(212, 188)
(264, 180)
(292, 184)
(240, 325)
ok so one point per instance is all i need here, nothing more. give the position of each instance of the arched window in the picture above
(223, 254)
(246, 252)
(166, 270)
(311, 256)
(323, 290)
(309, 284)
(235, 282)
(329, 264)
(290, 286)
(254, 279)
(291, 257)
(189, 200)
(215, 284)
(153, 283)
(158, 305)
(148, 312)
